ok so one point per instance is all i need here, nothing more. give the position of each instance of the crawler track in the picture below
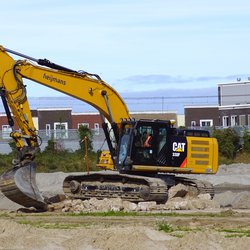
(135, 188)
(113, 185)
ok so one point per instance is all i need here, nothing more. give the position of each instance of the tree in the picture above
(85, 134)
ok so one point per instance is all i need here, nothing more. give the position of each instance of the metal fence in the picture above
(67, 139)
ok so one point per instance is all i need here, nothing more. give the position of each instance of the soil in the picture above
(223, 224)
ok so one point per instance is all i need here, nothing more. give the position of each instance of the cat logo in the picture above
(179, 146)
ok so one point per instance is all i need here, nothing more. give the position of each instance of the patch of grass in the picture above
(177, 235)
(46, 225)
(4, 215)
(231, 233)
(163, 226)
(178, 232)
(166, 214)
(104, 214)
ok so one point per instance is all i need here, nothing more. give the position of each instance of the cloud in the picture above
(154, 79)
(161, 82)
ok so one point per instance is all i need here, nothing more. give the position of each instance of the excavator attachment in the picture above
(19, 185)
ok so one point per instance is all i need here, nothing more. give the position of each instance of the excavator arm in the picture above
(81, 85)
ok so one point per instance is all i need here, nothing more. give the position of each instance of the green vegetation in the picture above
(166, 214)
(229, 142)
(55, 158)
(86, 136)
(232, 148)
(163, 226)
(50, 225)
(232, 233)
(175, 231)
(179, 231)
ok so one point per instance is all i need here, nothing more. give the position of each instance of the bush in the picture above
(229, 142)
(51, 147)
(246, 141)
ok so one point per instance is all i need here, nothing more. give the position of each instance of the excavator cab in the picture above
(145, 143)
(156, 146)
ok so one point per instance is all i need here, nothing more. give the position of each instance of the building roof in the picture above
(234, 83)
(205, 106)
(52, 109)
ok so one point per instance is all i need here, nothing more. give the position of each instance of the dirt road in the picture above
(226, 230)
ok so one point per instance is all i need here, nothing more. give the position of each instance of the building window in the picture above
(61, 130)
(96, 128)
(47, 128)
(234, 120)
(6, 129)
(242, 120)
(206, 123)
(84, 124)
(193, 123)
(225, 121)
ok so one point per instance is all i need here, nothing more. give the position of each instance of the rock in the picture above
(242, 201)
(65, 209)
(197, 203)
(56, 198)
(202, 204)
(204, 197)
(225, 199)
(129, 206)
(177, 203)
(146, 206)
(179, 190)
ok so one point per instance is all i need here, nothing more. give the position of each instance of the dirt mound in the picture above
(122, 233)
(234, 200)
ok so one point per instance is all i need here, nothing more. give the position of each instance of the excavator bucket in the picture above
(19, 185)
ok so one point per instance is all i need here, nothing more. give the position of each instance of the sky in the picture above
(147, 48)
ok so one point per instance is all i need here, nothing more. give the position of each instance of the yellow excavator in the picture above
(146, 155)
